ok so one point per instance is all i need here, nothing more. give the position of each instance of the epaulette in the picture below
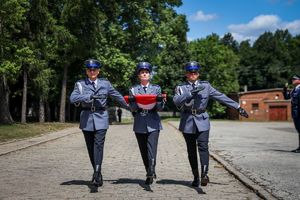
(86, 81)
(182, 84)
(155, 85)
(203, 82)
(103, 79)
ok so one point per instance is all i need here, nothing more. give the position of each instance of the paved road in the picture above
(261, 151)
(60, 169)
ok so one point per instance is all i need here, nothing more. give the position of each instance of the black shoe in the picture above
(97, 179)
(204, 180)
(296, 150)
(195, 182)
(151, 168)
(149, 180)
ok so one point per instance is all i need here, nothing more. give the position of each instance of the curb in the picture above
(259, 191)
(26, 143)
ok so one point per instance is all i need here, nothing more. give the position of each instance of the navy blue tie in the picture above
(93, 83)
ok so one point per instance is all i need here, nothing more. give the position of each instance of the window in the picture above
(255, 106)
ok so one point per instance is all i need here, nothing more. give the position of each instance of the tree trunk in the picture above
(24, 97)
(41, 111)
(63, 96)
(5, 117)
(48, 112)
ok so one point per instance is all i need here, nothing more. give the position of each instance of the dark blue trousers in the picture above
(148, 146)
(200, 140)
(297, 124)
(95, 144)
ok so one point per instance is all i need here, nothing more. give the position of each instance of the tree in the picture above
(229, 41)
(12, 16)
(294, 50)
(268, 62)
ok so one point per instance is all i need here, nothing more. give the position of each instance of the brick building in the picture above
(265, 105)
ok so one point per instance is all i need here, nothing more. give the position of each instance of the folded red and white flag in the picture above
(145, 101)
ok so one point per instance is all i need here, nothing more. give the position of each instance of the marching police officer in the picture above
(92, 93)
(192, 98)
(147, 124)
(294, 95)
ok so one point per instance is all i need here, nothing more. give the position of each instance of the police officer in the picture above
(294, 95)
(92, 93)
(119, 113)
(192, 98)
(147, 124)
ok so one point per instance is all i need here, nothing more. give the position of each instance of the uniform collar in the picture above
(95, 82)
(145, 85)
(141, 89)
(196, 82)
(298, 86)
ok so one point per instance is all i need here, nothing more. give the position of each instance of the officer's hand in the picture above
(93, 96)
(133, 114)
(131, 98)
(285, 87)
(243, 112)
(159, 98)
(197, 89)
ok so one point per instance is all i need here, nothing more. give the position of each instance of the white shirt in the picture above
(95, 82)
(196, 83)
(145, 86)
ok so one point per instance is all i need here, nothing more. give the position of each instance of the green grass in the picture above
(19, 131)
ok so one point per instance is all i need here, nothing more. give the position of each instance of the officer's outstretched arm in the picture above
(114, 94)
(222, 98)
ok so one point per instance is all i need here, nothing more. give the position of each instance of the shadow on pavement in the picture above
(215, 183)
(140, 182)
(93, 189)
(281, 150)
(184, 183)
(291, 130)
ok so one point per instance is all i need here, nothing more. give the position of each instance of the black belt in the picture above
(94, 108)
(140, 110)
(195, 111)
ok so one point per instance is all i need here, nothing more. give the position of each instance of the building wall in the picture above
(258, 104)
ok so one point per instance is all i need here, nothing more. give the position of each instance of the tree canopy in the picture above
(43, 44)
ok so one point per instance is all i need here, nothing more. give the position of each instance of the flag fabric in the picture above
(145, 101)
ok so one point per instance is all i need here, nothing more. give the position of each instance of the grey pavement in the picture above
(261, 152)
(60, 169)
(12, 146)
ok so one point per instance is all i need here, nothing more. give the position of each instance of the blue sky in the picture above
(245, 19)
